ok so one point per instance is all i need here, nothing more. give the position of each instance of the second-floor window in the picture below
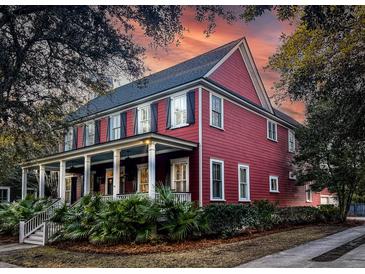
(114, 127)
(90, 134)
(179, 111)
(291, 141)
(216, 111)
(69, 139)
(144, 119)
(272, 132)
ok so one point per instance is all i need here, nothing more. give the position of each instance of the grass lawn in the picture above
(228, 253)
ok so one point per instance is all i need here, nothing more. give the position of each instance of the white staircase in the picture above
(39, 229)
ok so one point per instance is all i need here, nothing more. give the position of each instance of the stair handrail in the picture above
(37, 220)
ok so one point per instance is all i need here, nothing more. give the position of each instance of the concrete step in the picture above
(36, 237)
(38, 233)
(34, 242)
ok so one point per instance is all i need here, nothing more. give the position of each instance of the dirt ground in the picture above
(231, 252)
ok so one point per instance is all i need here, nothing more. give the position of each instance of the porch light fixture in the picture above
(147, 142)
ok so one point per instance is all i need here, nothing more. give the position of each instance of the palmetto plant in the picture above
(179, 220)
(11, 214)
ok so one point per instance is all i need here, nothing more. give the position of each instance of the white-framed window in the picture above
(114, 127)
(272, 130)
(178, 111)
(142, 178)
(308, 193)
(291, 141)
(90, 134)
(216, 111)
(180, 175)
(144, 119)
(4, 194)
(216, 180)
(243, 183)
(69, 139)
(274, 183)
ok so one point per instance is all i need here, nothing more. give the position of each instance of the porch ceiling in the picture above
(131, 146)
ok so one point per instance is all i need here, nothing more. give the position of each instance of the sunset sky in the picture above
(262, 36)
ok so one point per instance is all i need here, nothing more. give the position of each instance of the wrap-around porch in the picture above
(142, 162)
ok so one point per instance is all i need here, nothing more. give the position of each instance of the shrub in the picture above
(329, 213)
(298, 215)
(265, 215)
(11, 214)
(228, 219)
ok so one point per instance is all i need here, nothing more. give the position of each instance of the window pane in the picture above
(217, 180)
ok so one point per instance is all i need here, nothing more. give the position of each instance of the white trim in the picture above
(247, 167)
(211, 179)
(255, 76)
(210, 110)
(200, 148)
(8, 194)
(224, 59)
(275, 139)
(244, 104)
(172, 171)
(146, 106)
(273, 177)
(292, 176)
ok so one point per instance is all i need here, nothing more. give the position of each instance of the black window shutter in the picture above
(154, 117)
(84, 136)
(135, 121)
(108, 129)
(123, 124)
(190, 97)
(74, 138)
(97, 132)
(168, 112)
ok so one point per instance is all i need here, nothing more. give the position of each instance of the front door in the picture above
(142, 178)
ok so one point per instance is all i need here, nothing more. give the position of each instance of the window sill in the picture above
(308, 202)
(273, 191)
(245, 201)
(272, 140)
(220, 128)
(217, 200)
(179, 126)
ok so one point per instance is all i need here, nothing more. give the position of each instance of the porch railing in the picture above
(178, 196)
(49, 230)
(28, 227)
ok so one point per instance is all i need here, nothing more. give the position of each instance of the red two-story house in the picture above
(204, 127)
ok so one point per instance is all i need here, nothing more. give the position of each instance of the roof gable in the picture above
(179, 74)
(233, 74)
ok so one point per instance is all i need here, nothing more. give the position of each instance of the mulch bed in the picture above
(149, 248)
(4, 239)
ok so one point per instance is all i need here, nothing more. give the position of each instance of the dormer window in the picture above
(69, 139)
(144, 119)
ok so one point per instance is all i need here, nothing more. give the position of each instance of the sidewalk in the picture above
(12, 247)
(301, 256)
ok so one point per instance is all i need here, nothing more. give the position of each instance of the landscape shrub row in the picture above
(228, 220)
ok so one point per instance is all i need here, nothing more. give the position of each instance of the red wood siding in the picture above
(244, 141)
(233, 74)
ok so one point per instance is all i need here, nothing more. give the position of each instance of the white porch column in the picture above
(152, 170)
(24, 182)
(62, 180)
(87, 166)
(42, 180)
(116, 172)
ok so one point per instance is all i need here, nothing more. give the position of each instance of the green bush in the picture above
(298, 215)
(228, 219)
(329, 213)
(22, 210)
(265, 216)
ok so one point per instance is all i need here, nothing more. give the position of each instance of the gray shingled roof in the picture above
(177, 75)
